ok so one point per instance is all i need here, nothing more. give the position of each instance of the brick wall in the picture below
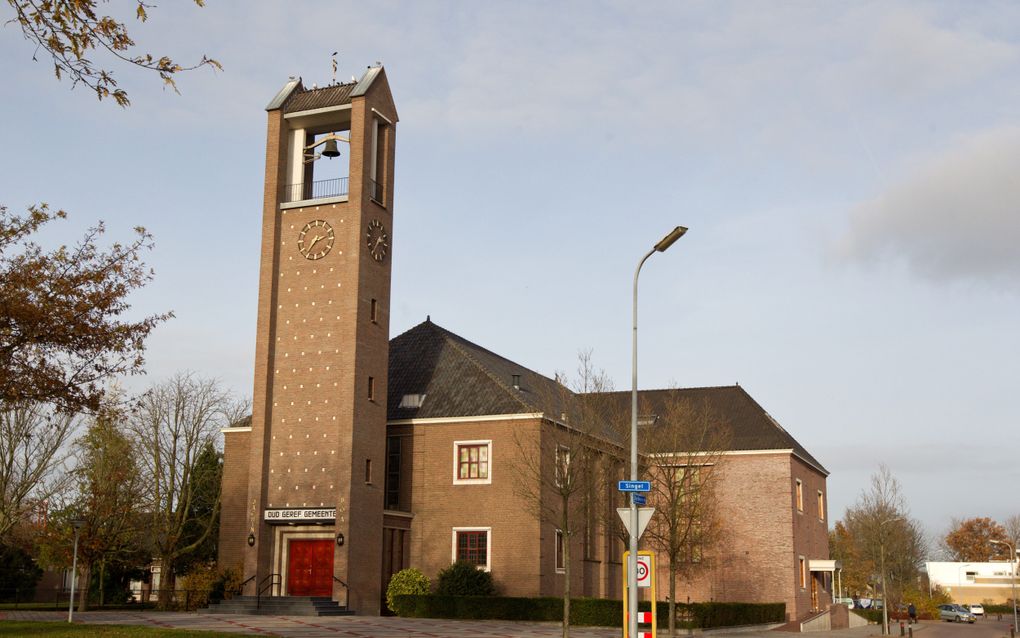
(234, 488)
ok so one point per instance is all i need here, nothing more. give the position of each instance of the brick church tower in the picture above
(310, 469)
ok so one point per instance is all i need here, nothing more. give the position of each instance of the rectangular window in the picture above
(472, 462)
(803, 572)
(800, 496)
(368, 471)
(377, 167)
(562, 465)
(821, 506)
(373, 311)
(371, 388)
(393, 459)
(471, 544)
(560, 566)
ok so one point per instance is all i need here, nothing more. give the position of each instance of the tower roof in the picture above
(294, 97)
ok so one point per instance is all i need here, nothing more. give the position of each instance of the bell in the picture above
(330, 150)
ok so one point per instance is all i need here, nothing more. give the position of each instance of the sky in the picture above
(848, 172)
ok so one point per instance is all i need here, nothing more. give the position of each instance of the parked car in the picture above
(976, 609)
(955, 613)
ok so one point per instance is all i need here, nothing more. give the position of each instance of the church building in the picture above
(367, 454)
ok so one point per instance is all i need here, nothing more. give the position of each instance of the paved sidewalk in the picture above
(376, 627)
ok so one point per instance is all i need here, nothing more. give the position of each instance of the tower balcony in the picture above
(324, 191)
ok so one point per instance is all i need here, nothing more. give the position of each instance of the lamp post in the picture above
(1012, 575)
(632, 599)
(77, 524)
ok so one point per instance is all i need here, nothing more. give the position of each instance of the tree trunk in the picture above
(83, 588)
(166, 584)
(566, 585)
(672, 599)
(102, 583)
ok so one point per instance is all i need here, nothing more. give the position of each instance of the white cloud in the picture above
(955, 216)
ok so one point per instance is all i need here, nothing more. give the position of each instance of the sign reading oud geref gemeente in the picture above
(301, 514)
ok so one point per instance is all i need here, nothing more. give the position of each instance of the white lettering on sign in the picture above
(304, 514)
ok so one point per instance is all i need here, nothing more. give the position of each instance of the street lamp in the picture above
(1012, 574)
(77, 524)
(632, 603)
(881, 552)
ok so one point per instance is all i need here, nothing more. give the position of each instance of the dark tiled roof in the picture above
(462, 379)
(751, 427)
(308, 99)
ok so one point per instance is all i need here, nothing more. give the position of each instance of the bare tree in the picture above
(683, 447)
(172, 424)
(34, 453)
(560, 471)
(883, 533)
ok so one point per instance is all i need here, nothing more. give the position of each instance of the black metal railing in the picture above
(347, 592)
(321, 189)
(270, 581)
(240, 588)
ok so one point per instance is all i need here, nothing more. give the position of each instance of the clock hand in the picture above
(315, 240)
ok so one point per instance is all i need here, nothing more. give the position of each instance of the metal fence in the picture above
(316, 190)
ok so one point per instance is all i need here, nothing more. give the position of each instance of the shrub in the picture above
(465, 579)
(406, 581)
(583, 611)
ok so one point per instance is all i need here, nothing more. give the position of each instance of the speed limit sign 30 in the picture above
(644, 571)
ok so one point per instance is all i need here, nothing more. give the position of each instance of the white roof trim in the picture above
(229, 430)
(366, 81)
(283, 94)
(325, 109)
(466, 419)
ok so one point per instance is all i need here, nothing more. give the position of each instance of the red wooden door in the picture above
(310, 568)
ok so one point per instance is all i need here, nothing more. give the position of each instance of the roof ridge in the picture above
(464, 353)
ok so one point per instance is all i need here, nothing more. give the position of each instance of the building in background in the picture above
(973, 582)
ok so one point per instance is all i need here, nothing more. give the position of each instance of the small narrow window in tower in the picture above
(371, 388)
(821, 506)
(373, 311)
(368, 471)
(800, 496)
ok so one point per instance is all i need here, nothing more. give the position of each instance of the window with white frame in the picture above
(562, 465)
(803, 572)
(472, 545)
(472, 462)
(560, 564)
(800, 496)
(821, 506)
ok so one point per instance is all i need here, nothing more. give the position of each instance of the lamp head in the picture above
(668, 240)
(77, 523)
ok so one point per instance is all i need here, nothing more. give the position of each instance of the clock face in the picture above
(377, 240)
(315, 240)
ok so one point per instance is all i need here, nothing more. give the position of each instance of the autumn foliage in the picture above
(63, 331)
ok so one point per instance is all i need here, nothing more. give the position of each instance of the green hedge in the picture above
(583, 611)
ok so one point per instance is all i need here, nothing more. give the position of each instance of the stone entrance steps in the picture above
(279, 606)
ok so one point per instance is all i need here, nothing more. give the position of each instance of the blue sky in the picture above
(847, 171)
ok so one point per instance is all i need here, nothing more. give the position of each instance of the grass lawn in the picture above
(65, 630)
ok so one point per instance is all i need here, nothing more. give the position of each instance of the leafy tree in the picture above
(173, 426)
(206, 478)
(19, 574)
(857, 570)
(682, 449)
(61, 332)
(71, 31)
(970, 540)
(33, 457)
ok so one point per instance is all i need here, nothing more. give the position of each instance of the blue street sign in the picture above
(639, 499)
(635, 486)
